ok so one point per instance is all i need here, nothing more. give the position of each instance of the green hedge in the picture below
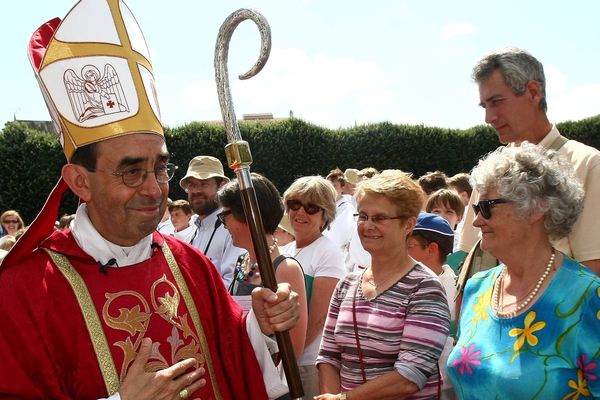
(282, 150)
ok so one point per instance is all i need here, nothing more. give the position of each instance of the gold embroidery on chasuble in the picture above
(184, 342)
(135, 320)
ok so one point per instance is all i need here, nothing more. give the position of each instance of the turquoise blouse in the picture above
(550, 351)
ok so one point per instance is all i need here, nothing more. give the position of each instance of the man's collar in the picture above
(550, 137)
(547, 140)
(209, 220)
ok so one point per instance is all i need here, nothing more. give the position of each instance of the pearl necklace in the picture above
(498, 286)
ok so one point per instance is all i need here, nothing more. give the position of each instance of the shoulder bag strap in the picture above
(217, 225)
(358, 349)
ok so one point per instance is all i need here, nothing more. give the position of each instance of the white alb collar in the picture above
(100, 249)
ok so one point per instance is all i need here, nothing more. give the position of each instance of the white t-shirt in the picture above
(321, 258)
(185, 233)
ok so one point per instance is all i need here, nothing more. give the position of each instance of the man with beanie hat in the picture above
(111, 308)
(203, 179)
(431, 241)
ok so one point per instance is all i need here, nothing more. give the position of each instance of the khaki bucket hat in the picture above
(203, 167)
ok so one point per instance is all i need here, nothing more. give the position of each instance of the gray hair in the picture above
(534, 180)
(518, 67)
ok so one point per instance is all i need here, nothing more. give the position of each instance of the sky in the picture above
(336, 63)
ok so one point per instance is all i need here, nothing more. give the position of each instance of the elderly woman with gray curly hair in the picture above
(529, 327)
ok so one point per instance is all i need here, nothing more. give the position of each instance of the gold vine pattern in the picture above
(135, 321)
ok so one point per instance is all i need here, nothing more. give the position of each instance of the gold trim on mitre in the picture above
(96, 76)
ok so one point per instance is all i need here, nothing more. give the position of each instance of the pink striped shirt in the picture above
(404, 329)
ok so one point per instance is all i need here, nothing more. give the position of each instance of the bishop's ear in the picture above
(78, 179)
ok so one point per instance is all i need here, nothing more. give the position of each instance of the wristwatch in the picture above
(342, 396)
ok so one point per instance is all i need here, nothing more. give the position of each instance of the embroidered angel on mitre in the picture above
(94, 95)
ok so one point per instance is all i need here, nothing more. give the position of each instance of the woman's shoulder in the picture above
(420, 279)
(422, 274)
(483, 280)
(323, 250)
(286, 262)
(349, 281)
(325, 244)
(575, 274)
(487, 274)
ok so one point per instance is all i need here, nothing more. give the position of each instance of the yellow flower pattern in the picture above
(580, 387)
(549, 350)
(527, 331)
(483, 304)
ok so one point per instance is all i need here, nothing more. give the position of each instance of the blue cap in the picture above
(435, 229)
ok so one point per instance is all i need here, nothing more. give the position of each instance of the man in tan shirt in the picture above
(512, 91)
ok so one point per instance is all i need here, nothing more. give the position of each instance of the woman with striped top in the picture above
(387, 325)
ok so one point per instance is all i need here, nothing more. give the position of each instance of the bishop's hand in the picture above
(172, 383)
(276, 312)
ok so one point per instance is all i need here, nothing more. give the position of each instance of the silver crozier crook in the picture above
(239, 160)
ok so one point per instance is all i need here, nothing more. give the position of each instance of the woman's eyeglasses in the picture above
(10, 221)
(223, 216)
(377, 219)
(310, 209)
(485, 207)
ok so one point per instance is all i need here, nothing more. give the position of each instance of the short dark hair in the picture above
(461, 183)
(182, 205)
(432, 181)
(267, 195)
(86, 156)
(368, 172)
(65, 221)
(447, 198)
(336, 175)
(425, 238)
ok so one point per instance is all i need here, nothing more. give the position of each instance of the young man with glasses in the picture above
(202, 181)
(112, 308)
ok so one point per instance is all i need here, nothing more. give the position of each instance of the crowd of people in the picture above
(479, 285)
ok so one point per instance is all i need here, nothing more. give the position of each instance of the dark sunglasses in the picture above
(485, 207)
(10, 221)
(310, 209)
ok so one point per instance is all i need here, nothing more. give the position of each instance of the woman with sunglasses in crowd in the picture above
(528, 327)
(310, 204)
(387, 325)
(11, 223)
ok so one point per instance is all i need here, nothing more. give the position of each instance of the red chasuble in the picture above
(69, 331)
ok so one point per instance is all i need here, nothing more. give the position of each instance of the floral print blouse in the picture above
(549, 351)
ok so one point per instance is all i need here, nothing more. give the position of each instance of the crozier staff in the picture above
(240, 159)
